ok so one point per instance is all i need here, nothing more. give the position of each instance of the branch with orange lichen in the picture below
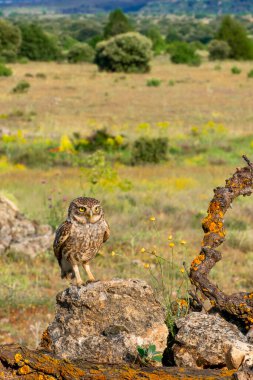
(17, 362)
(240, 304)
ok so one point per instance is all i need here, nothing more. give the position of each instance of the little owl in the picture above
(79, 238)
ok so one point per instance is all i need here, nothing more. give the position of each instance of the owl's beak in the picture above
(90, 214)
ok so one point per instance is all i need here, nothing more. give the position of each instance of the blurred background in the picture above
(145, 105)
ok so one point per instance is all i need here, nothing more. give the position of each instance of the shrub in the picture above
(235, 35)
(129, 52)
(250, 74)
(235, 70)
(5, 71)
(36, 44)
(118, 23)
(10, 38)
(218, 50)
(182, 52)
(21, 87)
(159, 44)
(100, 139)
(81, 53)
(41, 75)
(149, 150)
(153, 82)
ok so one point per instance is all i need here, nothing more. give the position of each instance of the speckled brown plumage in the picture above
(80, 237)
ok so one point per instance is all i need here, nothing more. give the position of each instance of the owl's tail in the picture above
(66, 269)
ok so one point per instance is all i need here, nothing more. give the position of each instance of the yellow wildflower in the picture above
(113, 253)
(152, 219)
(143, 250)
(170, 237)
(183, 242)
(182, 270)
(171, 245)
(146, 266)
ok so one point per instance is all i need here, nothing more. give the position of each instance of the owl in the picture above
(80, 237)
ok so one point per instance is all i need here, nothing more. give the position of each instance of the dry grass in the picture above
(72, 97)
(79, 98)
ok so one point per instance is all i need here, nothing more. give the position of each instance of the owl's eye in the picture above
(82, 209)
(96, 209)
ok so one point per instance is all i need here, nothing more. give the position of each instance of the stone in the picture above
(21, 235)
(105, 322)
(209, 341)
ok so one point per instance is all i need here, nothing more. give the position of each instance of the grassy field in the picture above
(165, 203)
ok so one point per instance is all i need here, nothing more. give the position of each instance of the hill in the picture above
(146, 6)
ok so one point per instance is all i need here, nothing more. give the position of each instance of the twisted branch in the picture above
(239, 304)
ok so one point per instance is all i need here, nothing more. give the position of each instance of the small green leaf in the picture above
(157, 358)
(141, 351)
(152, 349)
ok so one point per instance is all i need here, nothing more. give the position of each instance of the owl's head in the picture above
(85, 210)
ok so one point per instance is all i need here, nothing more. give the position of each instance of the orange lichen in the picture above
(18, 357)
(24, 370)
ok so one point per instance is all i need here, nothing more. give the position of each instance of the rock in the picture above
(246, 370)
(17, 362)
(209, 341)
(104, 322)
(19, 234)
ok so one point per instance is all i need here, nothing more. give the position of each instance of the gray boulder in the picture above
(19, 234)
(105, 321)
(209, 341)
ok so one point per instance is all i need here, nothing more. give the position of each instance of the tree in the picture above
(159, 45)
(81, 53)
(128, 52)
(118, 23)
(235, 35)
(218, 50)
(173, 35)
(10, 39)
(36, 44)
(182, 52)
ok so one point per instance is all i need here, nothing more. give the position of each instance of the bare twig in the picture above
(239, 304)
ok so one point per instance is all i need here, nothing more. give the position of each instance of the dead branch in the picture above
(17, 362)
(239, 304)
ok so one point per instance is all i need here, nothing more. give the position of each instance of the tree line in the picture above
(121, 44)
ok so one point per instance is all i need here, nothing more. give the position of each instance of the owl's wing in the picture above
(107, 233)
(61, 235)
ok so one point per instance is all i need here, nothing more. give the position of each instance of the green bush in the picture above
(149, 150)
(37, 45)
(10, 39)
(250, 74)
(235, 35)
(154, 82)
(129, 52)
(159, 44)
(81, 53)
(21, 87)
(100, 139)
(5, 71)
(236, 70)
(182, 52)
(218, 50)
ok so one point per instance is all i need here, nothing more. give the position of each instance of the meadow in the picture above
(154, 211)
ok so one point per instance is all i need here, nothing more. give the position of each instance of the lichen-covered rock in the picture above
(104, 322)
(209, 341)
(19, 234)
